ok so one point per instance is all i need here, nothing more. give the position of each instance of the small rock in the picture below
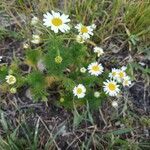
(28, 94)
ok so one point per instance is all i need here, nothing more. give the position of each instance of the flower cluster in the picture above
(56, 61)
(111, 86)
(120, 76)
(60, 23)
(117, 76)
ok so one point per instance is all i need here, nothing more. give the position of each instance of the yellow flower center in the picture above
(96, 68)
(79, 91)
(112, 86)
(121, 74)
(56, 21)
(84, 29)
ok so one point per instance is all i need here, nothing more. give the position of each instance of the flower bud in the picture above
(97, 94)
(114, 104)
(13, 90)
(58, 59)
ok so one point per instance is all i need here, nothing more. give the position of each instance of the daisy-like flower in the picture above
(80, 39)
(120, 75)
(99, 51)
(126, 81)
(95, 69)
(97, 94)
(56, 21)
(79, 91)
(84, 31)
(83, 70)
(111, 88)
(34, 20)
(10, 79)
(113, 73)
(36, 39)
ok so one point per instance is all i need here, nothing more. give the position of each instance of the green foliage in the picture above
(79, 117)
(68, 84)
(8, 33)
(140, 21)
(3, 73)
(36, 81)
(14, 140)
(2, 33)
(78, 53)
(72, 54)
(95, 103)
(52, 66)
(33, 56)
(118, 20)
(63, 57)
(134, 67)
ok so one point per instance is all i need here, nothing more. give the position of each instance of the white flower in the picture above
(79, 91)
(1, 57)
(34, 20)
(99, 51)
(120, 75)
(93, 26)
(80, 39)
(84, 31)
(111, 88)
(97, 94)
(56, 21)
(126, 81)
(95, 68)
(35, 39)
(10, 79)
(83, 69)
(113, 73)
(114, 104)
(25, 45)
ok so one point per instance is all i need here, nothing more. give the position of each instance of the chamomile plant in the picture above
(60, 62)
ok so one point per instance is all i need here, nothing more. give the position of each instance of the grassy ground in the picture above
(123, 30)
